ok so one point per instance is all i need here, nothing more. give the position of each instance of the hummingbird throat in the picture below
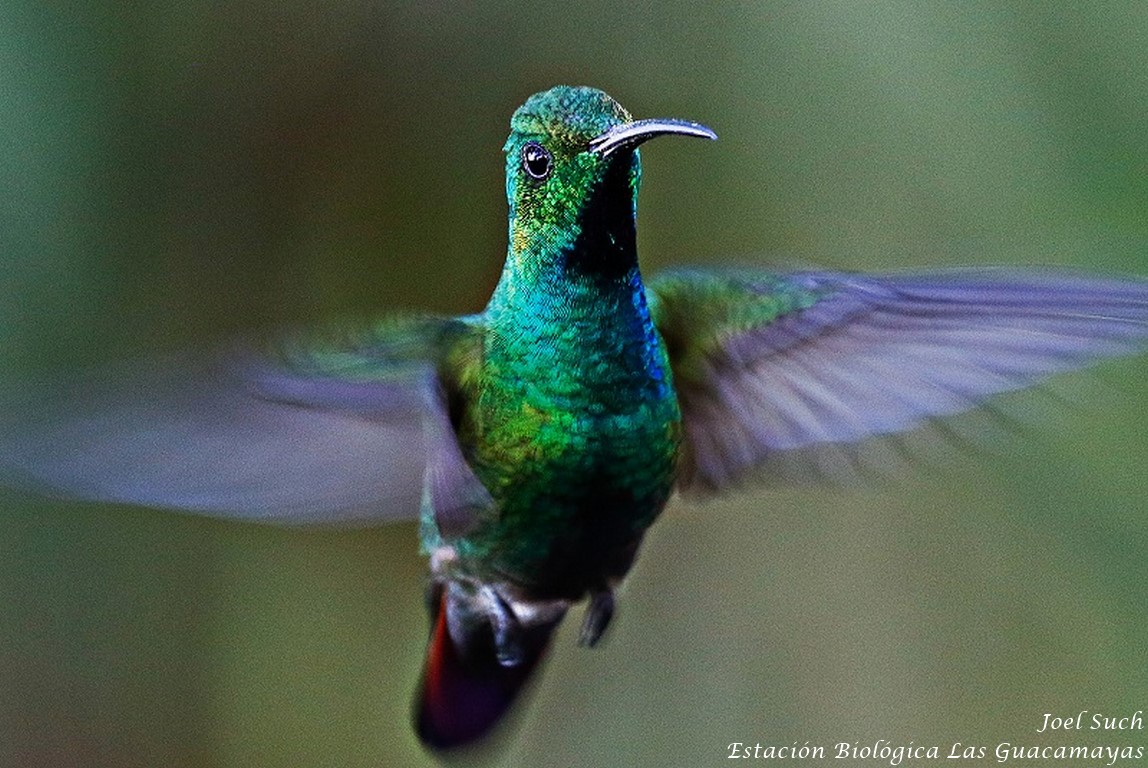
(588, 235)
(605, 248)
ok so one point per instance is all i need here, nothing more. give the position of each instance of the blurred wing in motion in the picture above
(768, 365)
(321, 431)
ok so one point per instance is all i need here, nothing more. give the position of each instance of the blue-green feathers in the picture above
(541, 437)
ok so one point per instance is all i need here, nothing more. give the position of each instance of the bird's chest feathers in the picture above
(576, 391)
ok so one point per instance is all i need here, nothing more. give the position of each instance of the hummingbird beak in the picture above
(630, 135)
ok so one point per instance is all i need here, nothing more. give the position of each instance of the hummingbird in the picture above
(538, 440)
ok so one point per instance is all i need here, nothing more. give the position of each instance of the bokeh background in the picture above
(178, 172)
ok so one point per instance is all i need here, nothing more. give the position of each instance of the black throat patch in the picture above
(606, 248)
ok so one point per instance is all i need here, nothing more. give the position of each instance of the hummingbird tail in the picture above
(467, 690)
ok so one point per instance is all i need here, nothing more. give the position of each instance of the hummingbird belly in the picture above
(575, 498)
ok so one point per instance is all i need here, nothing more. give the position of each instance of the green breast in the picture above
(575, 490)
(575, 433)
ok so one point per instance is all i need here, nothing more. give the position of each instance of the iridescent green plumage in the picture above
(545, 434)
(570, 418)
(565, 411)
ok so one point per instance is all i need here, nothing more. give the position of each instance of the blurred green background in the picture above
(178, 172)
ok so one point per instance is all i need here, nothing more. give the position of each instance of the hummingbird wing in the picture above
(782, 365)
(330, 430)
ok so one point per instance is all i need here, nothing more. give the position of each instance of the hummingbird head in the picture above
(572, 176)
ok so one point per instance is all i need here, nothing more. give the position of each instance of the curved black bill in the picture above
(630, 135)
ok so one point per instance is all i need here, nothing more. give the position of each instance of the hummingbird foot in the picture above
(486, 642)
(597, 618)
(505, 626)
(509, 619)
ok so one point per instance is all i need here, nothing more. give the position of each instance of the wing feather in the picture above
(810, 362)
(319, 431)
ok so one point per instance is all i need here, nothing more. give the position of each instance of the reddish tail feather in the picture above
(462, 699)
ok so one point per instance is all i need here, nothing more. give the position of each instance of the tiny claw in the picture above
(467, 686)
(597, 618)
(506, 628)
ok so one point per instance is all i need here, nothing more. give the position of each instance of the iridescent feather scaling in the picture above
(539, 439)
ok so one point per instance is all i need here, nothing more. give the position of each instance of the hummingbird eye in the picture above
(536, 161)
